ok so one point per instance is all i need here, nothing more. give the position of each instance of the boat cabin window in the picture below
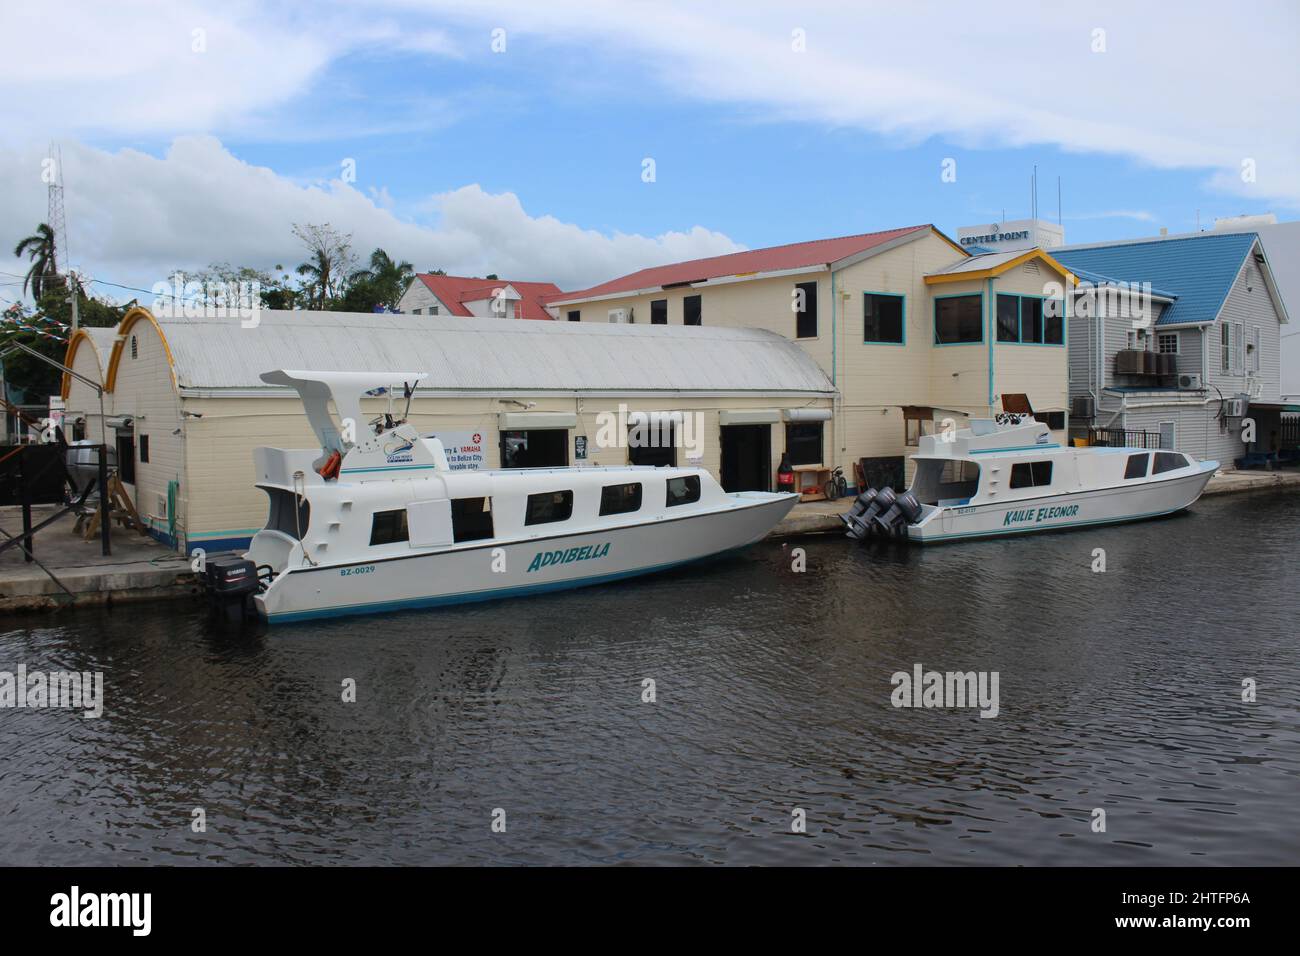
(549, 506)
(1137, 466)
(620, 499)
(949, 482)
(683, 490)
(1168, 461)
(1031, 474)
(471, 519)
(388, 527)
(284, 516)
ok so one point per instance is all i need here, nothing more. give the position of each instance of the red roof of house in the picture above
(795, 255)
(455, 291)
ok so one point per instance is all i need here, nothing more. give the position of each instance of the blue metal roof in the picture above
(1096, 278)
(1197, 270)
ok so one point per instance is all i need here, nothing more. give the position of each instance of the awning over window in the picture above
(522, 421)
(749, 416)
(806, 414)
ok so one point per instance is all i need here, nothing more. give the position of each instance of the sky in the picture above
(577, 141)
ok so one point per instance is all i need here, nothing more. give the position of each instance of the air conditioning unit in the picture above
(1130, 362)
(1234, 407)
(1189, 380)
(1083, 407)
(621, 316)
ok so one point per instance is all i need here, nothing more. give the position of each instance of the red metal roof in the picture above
(455, 291)
(772, 259)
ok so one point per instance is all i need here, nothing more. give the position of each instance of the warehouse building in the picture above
(185, 404)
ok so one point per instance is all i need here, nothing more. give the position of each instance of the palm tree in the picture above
(39, 248)
(387, 277)
(317, 274)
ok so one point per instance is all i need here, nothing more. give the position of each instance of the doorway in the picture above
(535, 448)
(746, 457)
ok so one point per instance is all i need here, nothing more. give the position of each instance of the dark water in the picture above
(1119, 691)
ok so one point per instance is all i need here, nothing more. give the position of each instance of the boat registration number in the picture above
(362, 569)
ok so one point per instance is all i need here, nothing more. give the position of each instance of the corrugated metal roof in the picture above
(103, 340)
(491, 354)
(1198, 269)
(980, 262)
(794, 255)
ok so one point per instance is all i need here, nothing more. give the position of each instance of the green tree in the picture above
(39, 249)
(330, 263)
(383, 284)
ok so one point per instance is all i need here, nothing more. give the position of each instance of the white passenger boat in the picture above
(375, 520)
(1007, 476)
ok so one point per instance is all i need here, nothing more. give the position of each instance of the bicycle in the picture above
(836, 486)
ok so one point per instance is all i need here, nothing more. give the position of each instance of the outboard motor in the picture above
(858, 519)
(905, 511)
(230, 581)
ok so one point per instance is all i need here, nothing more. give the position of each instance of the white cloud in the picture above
(137, 216)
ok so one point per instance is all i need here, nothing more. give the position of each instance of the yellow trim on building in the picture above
(70, 355)
(994, 271)
(123, 330)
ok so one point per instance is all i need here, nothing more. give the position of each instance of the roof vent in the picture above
(1031, 267)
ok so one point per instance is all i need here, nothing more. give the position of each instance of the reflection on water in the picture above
(1119, 691)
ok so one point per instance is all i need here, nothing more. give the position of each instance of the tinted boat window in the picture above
(683, 490)
(1031, 474)
(549, 506)
(471, 519)
(620, 499)
(1137, 466)
(388, 527)
(1168, 461)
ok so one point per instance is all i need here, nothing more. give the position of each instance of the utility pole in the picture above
(76, 294)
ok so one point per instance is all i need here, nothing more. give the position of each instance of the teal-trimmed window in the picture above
(883, 318)
(959, 319)
(1030, 320)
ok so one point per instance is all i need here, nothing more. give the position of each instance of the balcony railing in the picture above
(1123, 438)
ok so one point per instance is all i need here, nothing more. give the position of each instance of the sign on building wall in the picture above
(1012, 235)
(464, 449)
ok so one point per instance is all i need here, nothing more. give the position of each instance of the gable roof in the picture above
(1198, 271)
(455, 291)
(748, 264)
(986, 265)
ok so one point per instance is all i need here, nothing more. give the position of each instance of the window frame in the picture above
(1170, 453)
(532, 515)
(399, 534)
(698, 301)
(1034, 475)
(606, 510)
(687, 479)
(662, 305)
(461, 534)
(800, 315)
(902, 317)
(935, 323)
(1145, 456)
(1178, 344)
(821, 441)
(573, 315)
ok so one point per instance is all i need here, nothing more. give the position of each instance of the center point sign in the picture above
(464, 450)
(995, 237)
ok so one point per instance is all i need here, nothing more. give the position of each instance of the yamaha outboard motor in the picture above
(230, 581)
(858, 520)
(905, 511)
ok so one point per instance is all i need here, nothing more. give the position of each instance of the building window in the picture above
(805, 301)
(1167, 342)
(135, 352)
(433, 310)
(803, 443)
(659, 312)
(1225, 347)
(1137, 466)
(1008, 318)
(471, 519)
(126, 458)
(535, 448)
(882, 318)
(1252, 350)
(620, 499)
(549, 506)
(388, 527)
(1053, 321)
(1031, 320)
(684, 490)
(1031, 474)
(958, 320)
(652, 442)
(575, 316)
(1168, 461)
(415, 312)
(918, 420)
(144, 449)
(691, 310)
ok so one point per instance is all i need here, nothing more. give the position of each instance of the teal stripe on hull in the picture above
(473, 597)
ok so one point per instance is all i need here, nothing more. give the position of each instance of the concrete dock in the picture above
(142, 569)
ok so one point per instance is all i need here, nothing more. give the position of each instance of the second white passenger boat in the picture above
(375, 520)
(1009, 477)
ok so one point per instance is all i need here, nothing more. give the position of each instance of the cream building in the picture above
(910, 328)
(185, 404)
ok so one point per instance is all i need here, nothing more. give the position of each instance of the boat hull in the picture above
(1059, 512)
(503, 569)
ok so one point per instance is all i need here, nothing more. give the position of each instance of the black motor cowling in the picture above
(230, 581)
(904, 511)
